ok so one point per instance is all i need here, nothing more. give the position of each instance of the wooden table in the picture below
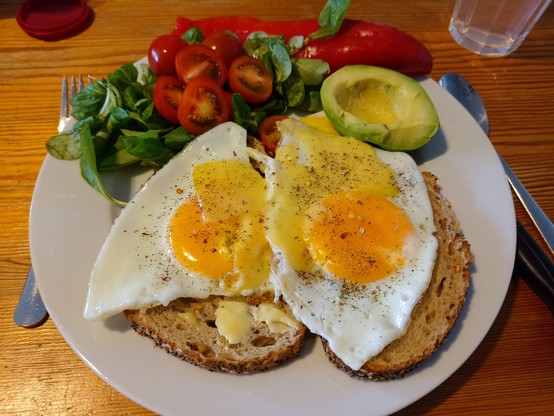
(511, 373)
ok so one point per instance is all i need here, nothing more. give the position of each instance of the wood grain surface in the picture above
(512, 371)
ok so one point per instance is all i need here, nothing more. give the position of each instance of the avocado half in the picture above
(379, 106)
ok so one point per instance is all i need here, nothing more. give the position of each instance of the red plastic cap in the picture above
(53, 19)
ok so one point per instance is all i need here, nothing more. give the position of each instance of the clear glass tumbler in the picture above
(494, 27)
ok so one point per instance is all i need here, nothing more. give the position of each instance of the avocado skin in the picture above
(416, 121)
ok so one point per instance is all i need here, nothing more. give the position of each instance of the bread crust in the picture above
(200, 343)
(438, 309)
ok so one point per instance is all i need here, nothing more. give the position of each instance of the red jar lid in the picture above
(53, 19)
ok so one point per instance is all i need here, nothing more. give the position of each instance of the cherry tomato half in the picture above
(203, 106)
(167, 96)
(162, 52)
(200, 61)
(227, 45)
(269, 134)
(250, 78)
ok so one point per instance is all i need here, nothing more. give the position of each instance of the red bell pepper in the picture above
(357, 41)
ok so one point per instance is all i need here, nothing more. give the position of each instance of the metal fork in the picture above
(30, 311)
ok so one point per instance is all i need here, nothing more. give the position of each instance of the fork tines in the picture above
(63, 105)
(69, 90)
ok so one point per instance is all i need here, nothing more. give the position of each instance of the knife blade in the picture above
(541, 221)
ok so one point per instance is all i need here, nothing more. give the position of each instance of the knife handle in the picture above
(539, 269)
(30, 311)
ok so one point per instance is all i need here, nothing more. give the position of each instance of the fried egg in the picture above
(341, 230)
(195, 229)
(351, 227)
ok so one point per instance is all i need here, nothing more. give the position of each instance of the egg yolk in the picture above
(219, 232)
(202, 247)
(358, 235)
(320, 122)
(314, 165)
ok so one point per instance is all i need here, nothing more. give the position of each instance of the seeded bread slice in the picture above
(199, 342)
(435, 315)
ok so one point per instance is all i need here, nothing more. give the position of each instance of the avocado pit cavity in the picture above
(379, 106)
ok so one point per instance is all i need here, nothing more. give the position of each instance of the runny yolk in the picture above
(201, 246)
(358, 235)
(219, 232)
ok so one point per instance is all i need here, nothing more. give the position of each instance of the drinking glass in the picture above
(494, 27)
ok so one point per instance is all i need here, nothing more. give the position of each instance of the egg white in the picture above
(136, 267)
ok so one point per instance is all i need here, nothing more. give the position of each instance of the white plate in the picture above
(69, 222)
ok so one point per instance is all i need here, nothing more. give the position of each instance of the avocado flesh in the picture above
(380, 106)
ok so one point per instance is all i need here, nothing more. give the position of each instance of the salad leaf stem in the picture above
(89, 170)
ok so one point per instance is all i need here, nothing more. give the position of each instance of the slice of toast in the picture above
(198, 341)
(437, 311)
